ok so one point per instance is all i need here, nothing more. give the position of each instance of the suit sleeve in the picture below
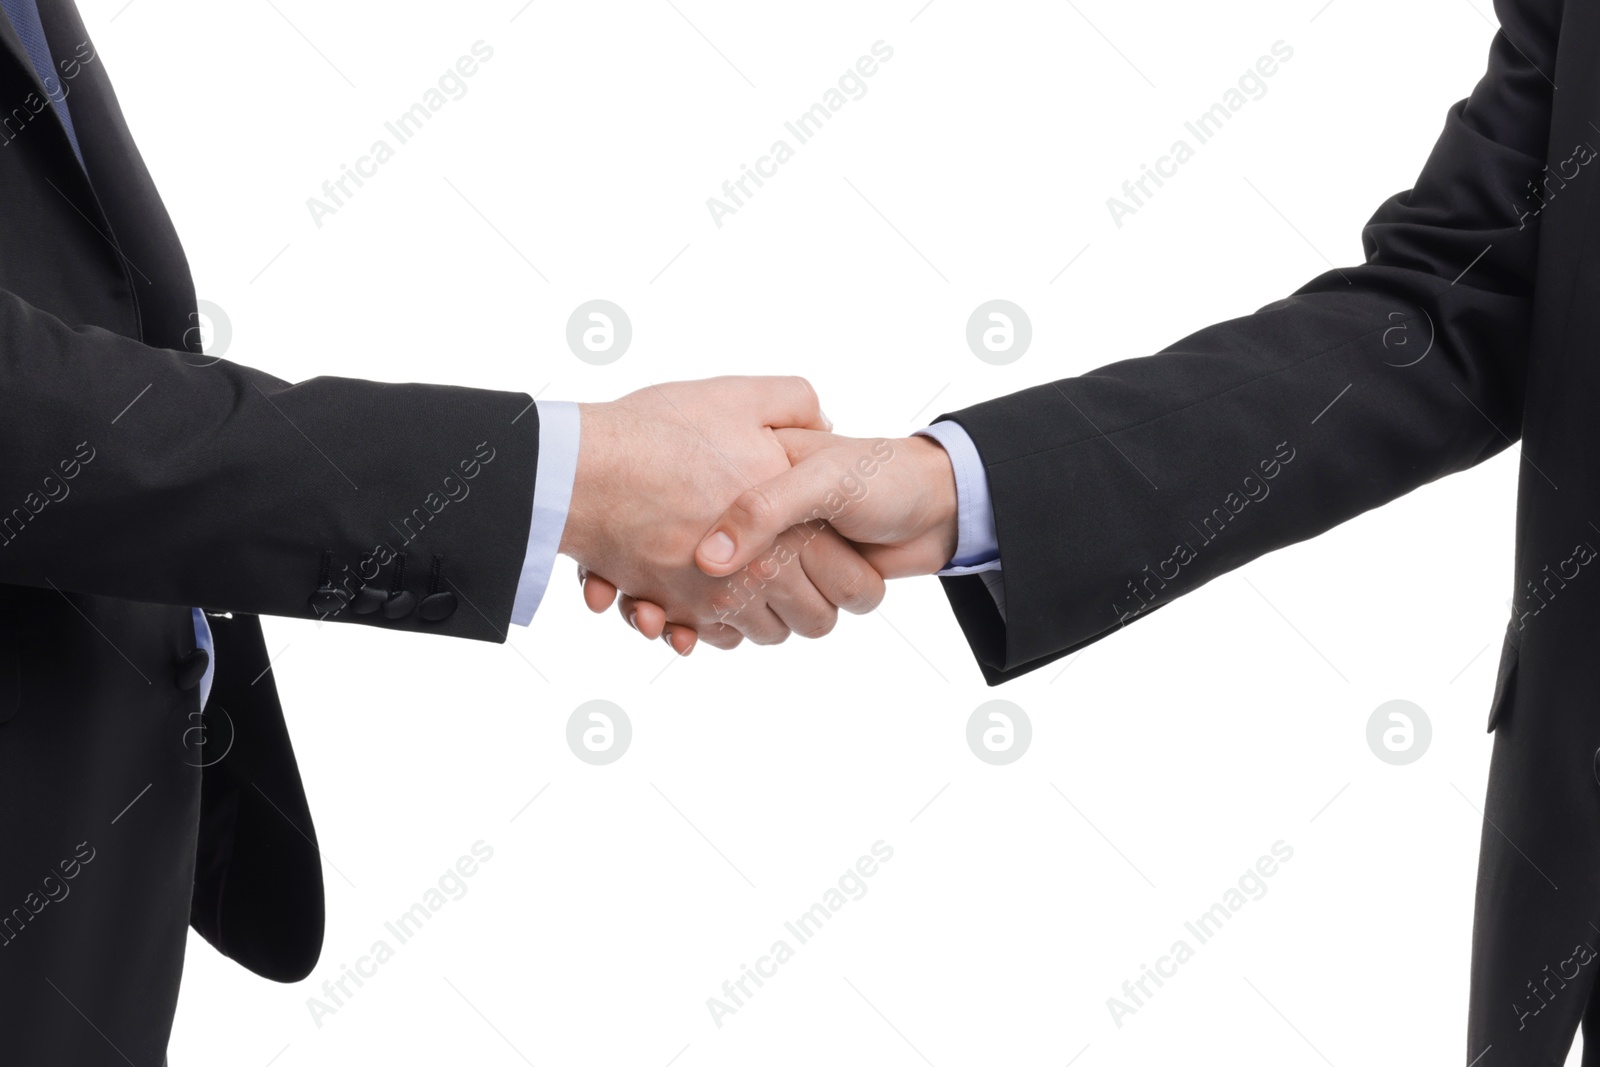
(1119, 490)
(161, 476)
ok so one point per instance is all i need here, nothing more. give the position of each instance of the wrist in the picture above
(583, 536)
(938, 503)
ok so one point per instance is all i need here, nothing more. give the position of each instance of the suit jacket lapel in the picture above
(122, 201)
(15, 53)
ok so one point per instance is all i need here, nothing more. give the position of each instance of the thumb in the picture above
(757, 516)
(799, 444)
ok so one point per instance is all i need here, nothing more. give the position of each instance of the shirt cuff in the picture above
(202, 639)
(977, 546)
(555, 470)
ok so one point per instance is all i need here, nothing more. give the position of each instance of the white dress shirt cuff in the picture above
(557, 467)
(203, 639)
(977, 547)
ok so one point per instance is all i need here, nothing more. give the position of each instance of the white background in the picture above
(1164, 761)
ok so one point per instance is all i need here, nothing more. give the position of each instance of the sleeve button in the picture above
(438, 606)
(369, 598)
(326, 600)
(399, 604)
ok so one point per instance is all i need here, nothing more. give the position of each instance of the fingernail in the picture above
(666, 635)
(718, 548)
(633, 619)
(827, 423)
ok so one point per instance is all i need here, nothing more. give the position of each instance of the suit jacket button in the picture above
(369, 598)
(399, 604)
(438, 606)
(191, 668)
(1597, 765)
(326, 600)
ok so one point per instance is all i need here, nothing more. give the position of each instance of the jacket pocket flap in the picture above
(1505, 678)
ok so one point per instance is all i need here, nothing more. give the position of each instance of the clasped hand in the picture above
(726, 509)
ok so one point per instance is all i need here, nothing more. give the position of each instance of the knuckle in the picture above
(766, 568)
(721, 637)
(756, 506)
(725, 606)
(822, 628)
(861, 592)
(809, 391)
(773, 635)
(803, 389)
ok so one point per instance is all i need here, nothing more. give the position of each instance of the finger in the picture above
(681, 639)
(792, 596)
(781, 579)
(801, 444)
(649, 619)
(626, 605)
(597, 592)
(721, 637)
(839, 572)
(761, 625)
(761, 513)
(787, 401)
(742, 607)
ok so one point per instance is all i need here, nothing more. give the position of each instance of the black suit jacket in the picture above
(141, 478)
(1475, 319)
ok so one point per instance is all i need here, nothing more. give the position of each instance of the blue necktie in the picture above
(24, 16)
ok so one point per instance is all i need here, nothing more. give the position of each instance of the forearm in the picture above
(141, 474)
(1121, 489)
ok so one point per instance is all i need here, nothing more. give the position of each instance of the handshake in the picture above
(726, 509)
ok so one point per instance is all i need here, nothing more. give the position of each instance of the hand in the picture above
(896, 499)
(654, 470)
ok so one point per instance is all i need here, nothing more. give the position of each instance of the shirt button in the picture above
(191, 668)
